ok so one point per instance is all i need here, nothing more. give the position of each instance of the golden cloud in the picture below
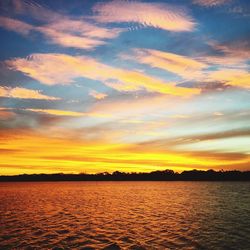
(97, 95)
(53, 69)
(233, 77)
(24, 93)
(177, 64)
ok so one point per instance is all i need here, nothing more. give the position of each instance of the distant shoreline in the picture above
(166, 175)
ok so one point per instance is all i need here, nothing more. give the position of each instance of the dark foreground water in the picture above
(125, 215)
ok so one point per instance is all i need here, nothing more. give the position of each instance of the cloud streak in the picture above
(59, 29)
(168, 143)
(24, 93)
(15, 25)
(54, 69)
(211, 3)
(177, 64)
(97, 95)
(99, 156)
(70, 113)
(231, 70)
(233, 77)
(157, 15)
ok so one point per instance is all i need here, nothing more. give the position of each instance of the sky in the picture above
(134, 86)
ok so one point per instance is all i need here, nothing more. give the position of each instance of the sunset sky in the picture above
(89, 86)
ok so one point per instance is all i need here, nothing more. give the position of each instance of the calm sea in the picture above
(125, 215)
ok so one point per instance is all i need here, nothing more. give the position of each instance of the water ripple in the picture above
(125, 215)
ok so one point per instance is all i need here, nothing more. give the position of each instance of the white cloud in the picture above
(158, 15)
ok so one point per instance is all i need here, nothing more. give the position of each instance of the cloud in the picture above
(6, 114)
(168, 143)
(15, 25)
(59, 29)
(156, 15)
(30, 8)
(83, 28)
(123, 87)
(57, 112)
(97, 95)
(210, 3)
(65, 39)
(54, 69)
(233, 77)
(24, 93)
(222, 135)
(177, 64)
(136, 107)
(232, 67)
(234, 54)
(77, 34)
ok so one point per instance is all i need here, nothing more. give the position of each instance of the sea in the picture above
(125, 215)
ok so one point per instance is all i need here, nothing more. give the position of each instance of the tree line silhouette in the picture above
(165, 175)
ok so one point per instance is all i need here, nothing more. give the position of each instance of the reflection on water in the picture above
(125, 215)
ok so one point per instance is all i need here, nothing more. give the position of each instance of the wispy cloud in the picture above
(233, 54)
(5, 113)
(15, 25)
(53, 69)
(97, 95)
(233, 77)
(68, 39)
(168, 143)
(57, 28)
(136, 107)
(231, 65)
(158, 15)
(24, 93)
(211, 3)
(83, 28)
(77, 34)
(57, 112)
(100, 156)
(177, 64)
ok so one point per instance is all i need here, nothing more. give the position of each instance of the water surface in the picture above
(125, 215)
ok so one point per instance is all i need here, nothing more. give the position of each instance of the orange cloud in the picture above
(5, 114)
(53, 69)
(189, 68)
(58, 112)
(156, 15)
(24, 93)
(97, 95)
(233, 77)
(151, 84)
(177, 64)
